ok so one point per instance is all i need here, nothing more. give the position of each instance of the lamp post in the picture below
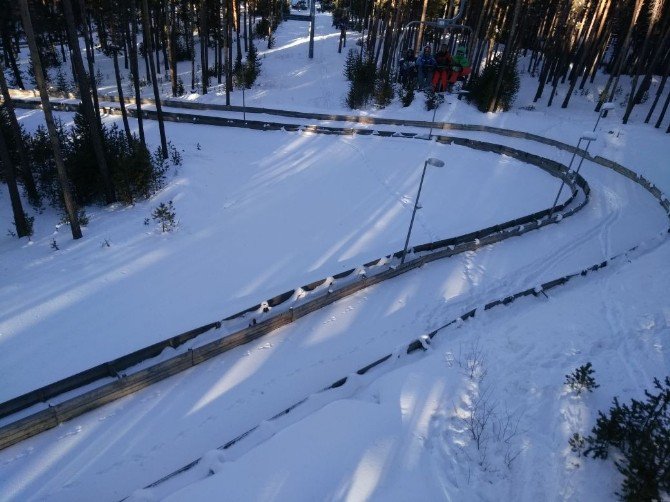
(603, 110)
(429, 162)
(439, 99)
(588, 137)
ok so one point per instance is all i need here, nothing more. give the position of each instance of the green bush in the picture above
(433, 99)
(134, 172)
(482, 87)
(363, 73)
(639, 432)
(581, 379)
(383, 92)
(245, 73)
(407, 91)
(166, 216)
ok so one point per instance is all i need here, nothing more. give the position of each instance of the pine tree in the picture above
(640, 432)
(581, 379)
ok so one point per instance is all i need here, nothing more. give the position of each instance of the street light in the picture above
(603, 110)
(439, 99)
(588, 137)
(429, 162)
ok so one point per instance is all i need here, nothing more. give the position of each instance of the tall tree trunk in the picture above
(191, 44)
(507, 54)
(134, 63)
(620, 60)
(203, 46)
(9, 50)
(419, 35)
(658, 54)
(659, 91)
(172, 43)
(587, 43)
(20, 221)
(246, 35)
(663, 110)
(70, 207)
(122, 101)
(157, 96)
(229, 52)
(126, 45)
(26, 171)
(88, 42)
(236, 13)
(220, 15)
(636, 66)
(87, 104)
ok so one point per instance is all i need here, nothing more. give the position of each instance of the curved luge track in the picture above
(528, 278)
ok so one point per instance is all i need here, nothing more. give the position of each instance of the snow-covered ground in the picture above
(264, 212)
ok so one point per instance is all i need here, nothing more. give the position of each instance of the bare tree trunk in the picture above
(126, 45)
(636, 70)
(87, 104)
(20, 221)
(172, 52)
(662, 115)
(419, 34)
(134, 63)
(661, 86)
(9, 50)
(203, 46)
(585, 50)
(507, 52)
(157, 96)
(70, 207)
(246, 34)
(26, 171)
(222, 40)
(236, 13)
(88, 42)
(122, 102)
(229, 51)
(620, 60)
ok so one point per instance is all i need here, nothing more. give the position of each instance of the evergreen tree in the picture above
(640, 432)
(482, 88)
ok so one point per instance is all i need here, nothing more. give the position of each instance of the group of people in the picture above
(439, 72)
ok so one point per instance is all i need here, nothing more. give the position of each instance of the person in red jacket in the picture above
(443, 66)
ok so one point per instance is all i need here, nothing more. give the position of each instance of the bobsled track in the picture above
(47, 407)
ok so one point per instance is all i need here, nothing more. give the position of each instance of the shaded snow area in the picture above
(261, 213)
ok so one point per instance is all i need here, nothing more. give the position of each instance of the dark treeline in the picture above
(568, 40)
(91, 163)
(565, 43)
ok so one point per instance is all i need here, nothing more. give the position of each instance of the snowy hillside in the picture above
(264, 212)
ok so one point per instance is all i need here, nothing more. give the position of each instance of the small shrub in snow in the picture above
(175, 155)
(82, 217)
(492, 428)
(406, 92)
(638, 437)
(166, 215)
(433, 99)
(471, 360)
(581, 379)
(577, 443)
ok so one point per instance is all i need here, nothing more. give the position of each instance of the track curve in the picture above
(506, 289)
